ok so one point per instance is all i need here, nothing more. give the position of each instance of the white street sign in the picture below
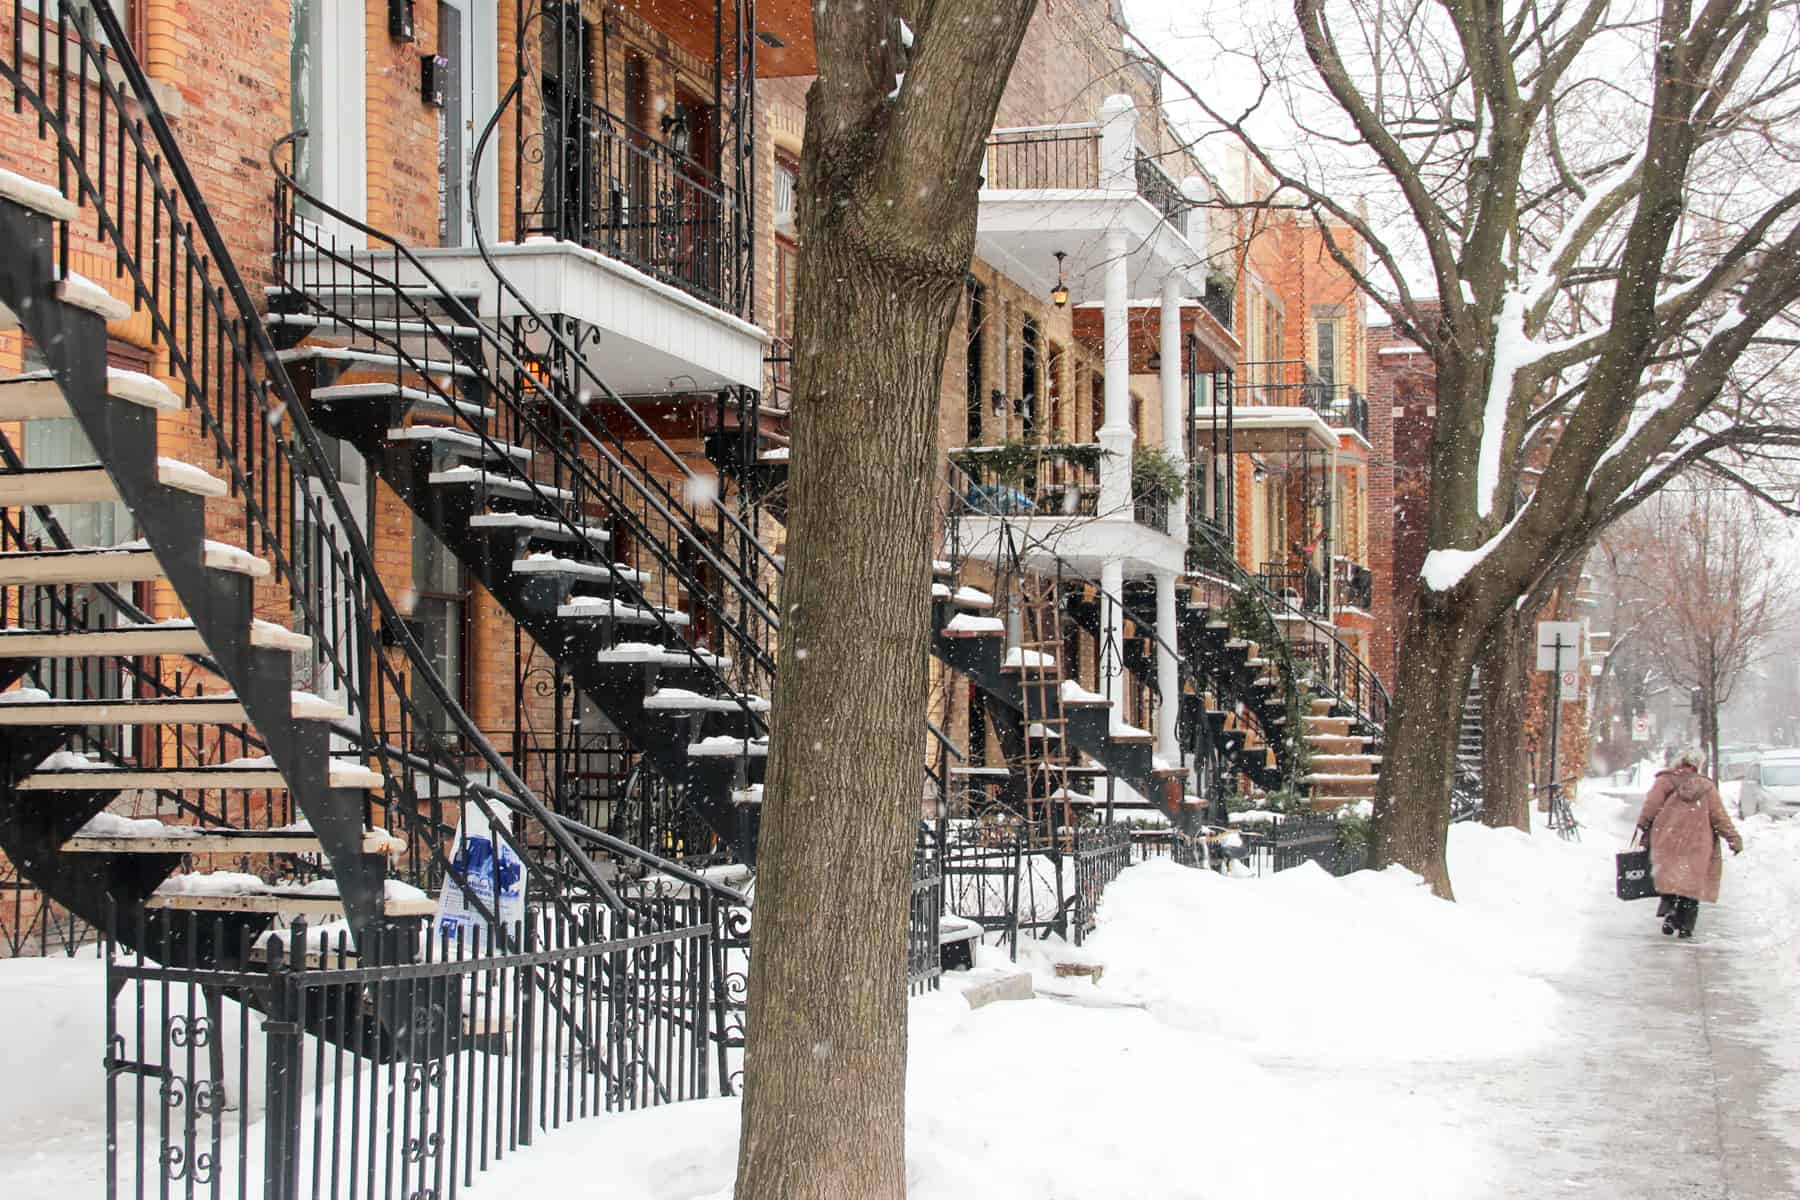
(1640, 728)
(1548, 657)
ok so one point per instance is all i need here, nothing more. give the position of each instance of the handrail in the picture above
(1373, 714)
(234, 322)
(761, 558)
(546, 440)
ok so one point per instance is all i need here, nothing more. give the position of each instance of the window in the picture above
(129, 12)
(974, 376)
(1096, 403)
(1325, 335)
(1054, 390)
(787, 179)
(439, 615)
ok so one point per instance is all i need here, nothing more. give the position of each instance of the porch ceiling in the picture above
(1020, 232)
(1086, 543)
(690, 25)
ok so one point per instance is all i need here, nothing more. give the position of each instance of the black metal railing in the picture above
(1219, 304)
(609, 186)
(534, 375)
(1150, 508)
(1337, 670)
(1161, 191)
(1046, 157)
(1301, 586)
(118, 159)
(406, 1066)
(1101, 852)
(1044, 479)
(1296, 839)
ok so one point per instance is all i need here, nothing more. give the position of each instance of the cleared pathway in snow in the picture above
(1658, 1084)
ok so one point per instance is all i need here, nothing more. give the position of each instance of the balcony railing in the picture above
(1042, 157)
(1301, 586)
(1052, 479)
(1295, 382)
(1161, 191)
(611, 187)
(1150, 507)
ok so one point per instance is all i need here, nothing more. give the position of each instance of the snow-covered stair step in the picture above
(232, 891)
(1329, 726)
(972, 598)
(418, 398)
(728, 747)
(1129, 735)
(39, 197)
(324, 326)
(496, 484)
(661, 656)
(84, 293)
(550, 564)
(31, 707)
(92, 484)
(270, 636)
(683, 700)
(251, 775)
(25, 567)
(36, 396)
(748, 797)
(1073, 695)
(389, 363)
(460, 440)
(1346, 764)
(599, 608)
(1019, 659)
(130, 563)
(122, 835)
(970, 625)
(539, 527)
(123, 641)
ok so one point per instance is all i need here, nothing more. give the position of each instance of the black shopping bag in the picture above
(1634, 875)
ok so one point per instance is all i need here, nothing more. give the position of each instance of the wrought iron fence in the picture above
(1100, 853)
(1150, 507)
(1299, 839)
(406, 1069)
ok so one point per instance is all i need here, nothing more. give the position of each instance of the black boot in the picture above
(1687, 911)
(1665, 908)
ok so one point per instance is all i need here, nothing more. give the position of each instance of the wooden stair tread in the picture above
(222, 778)
(217, 841)
(123, 641)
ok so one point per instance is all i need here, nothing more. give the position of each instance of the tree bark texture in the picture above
(887, 205)
(1505, 689)
(1412, 809)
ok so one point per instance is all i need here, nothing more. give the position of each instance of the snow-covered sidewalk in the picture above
(1289, 1037)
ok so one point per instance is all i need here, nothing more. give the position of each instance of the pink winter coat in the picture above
(1685, 819)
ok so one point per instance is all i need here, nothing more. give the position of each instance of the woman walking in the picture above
(1683, 820)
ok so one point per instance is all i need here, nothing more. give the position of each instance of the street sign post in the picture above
(1558, 652)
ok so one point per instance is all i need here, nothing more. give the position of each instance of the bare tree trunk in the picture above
(1412, 798)
(887, 220)
(1505, 691)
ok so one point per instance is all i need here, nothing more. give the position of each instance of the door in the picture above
(465, 27)
(327, 98)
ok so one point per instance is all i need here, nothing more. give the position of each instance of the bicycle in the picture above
(1562, 817)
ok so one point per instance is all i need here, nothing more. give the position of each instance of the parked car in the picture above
(1735, 761)
(1772, 786)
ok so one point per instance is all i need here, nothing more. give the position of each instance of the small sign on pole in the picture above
(1570, 686)
(1640, 728)
(1558, 645)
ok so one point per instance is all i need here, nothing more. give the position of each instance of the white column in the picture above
(1173, 403)
(1168, 673)
(1115, 435)
(1118, 144)
(1112, 638)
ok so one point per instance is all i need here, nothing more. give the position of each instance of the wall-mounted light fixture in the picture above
(434, 70)
(675, 131)
(400, 19)
(1059, 295)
